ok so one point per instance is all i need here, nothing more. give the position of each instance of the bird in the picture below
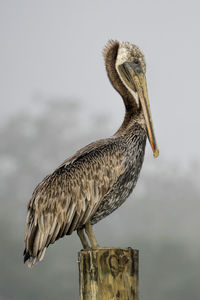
(98, 178)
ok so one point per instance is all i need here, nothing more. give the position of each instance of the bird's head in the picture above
(130, 66)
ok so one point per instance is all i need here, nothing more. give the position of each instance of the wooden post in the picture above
(108, 274)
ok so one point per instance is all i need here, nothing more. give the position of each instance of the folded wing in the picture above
(69, 197)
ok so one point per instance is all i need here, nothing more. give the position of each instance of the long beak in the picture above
(136, 80)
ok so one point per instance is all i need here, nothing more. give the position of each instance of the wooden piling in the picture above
(108, 274)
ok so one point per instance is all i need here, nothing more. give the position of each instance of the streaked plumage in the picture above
(98, 178)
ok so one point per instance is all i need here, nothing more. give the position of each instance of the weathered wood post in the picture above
(108, 274)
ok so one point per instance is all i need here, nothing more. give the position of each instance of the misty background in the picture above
(55, 98)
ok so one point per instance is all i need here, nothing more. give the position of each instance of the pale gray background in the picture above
(55, 97)
(53, 48)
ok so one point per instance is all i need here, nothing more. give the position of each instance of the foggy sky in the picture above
(53, 49)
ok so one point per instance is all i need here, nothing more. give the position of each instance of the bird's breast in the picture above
(127, 180)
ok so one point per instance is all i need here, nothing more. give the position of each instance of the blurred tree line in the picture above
(160, 218)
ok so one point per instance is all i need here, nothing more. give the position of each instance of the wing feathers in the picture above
(73, 224)
(69, 197)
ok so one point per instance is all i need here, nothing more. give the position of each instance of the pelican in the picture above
(95, 181)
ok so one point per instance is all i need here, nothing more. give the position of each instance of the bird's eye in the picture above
(136, 61)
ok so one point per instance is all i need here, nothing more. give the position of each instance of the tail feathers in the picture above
(33, 260)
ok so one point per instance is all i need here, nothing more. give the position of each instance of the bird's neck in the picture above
(130, 119)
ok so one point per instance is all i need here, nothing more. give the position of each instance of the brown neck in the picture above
(110, 55)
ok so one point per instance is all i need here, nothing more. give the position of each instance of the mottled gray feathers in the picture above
(79, 191)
